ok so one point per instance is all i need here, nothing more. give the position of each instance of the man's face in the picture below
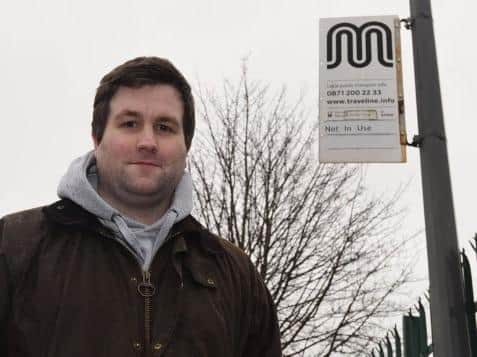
(141, 156)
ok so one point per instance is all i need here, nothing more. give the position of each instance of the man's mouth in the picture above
(145, 163)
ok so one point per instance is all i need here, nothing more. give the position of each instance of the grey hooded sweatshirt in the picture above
(79, 184)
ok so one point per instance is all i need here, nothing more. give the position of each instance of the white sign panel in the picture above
(361, 99)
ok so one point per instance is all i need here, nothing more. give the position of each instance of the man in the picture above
(118, 267)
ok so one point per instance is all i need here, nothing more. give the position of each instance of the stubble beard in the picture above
(155, 190)
(125, 192)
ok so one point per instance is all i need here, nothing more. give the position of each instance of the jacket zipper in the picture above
(147, 290)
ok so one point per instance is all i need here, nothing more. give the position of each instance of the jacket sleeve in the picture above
(4, 295)
(264, 337)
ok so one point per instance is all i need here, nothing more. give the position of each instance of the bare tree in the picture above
(324, 246)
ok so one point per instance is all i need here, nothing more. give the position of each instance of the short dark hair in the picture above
(136, 73)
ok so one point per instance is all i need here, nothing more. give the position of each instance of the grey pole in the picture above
(449, 334)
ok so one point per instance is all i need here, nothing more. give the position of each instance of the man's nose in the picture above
(147, 140)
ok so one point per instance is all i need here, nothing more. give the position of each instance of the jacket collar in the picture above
(67, 213)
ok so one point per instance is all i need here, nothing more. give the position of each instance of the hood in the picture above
(79, 184)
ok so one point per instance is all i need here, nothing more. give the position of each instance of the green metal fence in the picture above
(415, 342)
(415, 339)
(469, 298)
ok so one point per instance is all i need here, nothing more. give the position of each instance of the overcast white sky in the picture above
(53, 53)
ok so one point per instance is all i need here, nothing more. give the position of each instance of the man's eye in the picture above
(129, 124)
(163, 127)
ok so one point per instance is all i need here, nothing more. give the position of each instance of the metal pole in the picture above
(449, 334)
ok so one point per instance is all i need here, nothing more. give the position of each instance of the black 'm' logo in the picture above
(358, 42)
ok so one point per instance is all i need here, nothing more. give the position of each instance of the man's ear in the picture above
(95, 141)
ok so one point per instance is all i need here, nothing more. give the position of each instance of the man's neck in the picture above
(143, 212)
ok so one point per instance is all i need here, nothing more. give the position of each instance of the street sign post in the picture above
(448, 316)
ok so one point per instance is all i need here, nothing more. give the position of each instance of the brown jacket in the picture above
(68, 289)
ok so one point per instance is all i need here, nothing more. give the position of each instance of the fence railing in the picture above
(415, 342)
